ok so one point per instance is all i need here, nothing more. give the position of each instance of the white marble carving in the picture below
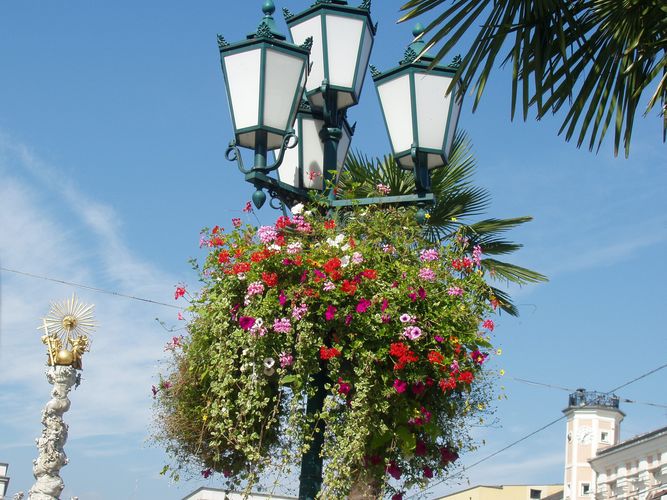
(52, 458)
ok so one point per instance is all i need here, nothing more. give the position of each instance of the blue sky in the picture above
(113, 126)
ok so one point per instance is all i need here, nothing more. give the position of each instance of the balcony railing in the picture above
(582, 397)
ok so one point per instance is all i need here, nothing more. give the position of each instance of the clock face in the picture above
(584, 435)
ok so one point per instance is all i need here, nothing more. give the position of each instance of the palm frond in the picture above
(512, 273)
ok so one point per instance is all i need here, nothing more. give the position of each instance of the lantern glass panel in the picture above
(288, 171)
(432, 108)
(397, 109)
(312, 152)
(283, 86)
(344, 37)
(453, 121)
(363, 60)
(301, 31)
(242, 70)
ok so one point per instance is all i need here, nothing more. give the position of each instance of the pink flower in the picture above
(343, 387)
(348, 320)
(429, 255)
(294, 248)
(386, 248)
(422, 293)
(412, 332)
(154, 390)
(427, 274)
(246, 322)
(477, 255)
(382, 189)
(180, 291)
(393, 470)
(282, 298)
(286, 359)
(267, 234)
(400, 386)
(255, 288)
(357, 258)
(438, 338)
(236, 222)
(173, 344)
(363, 305)
(406, 318)
(454, 290)
(180, 316)
(248, 207)
(329, 286)
(330, 313)
(478, 357)
(488, 324)
(282, 325)
(299, 312)
(418, 388)
(385, 305)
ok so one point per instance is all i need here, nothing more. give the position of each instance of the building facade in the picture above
(4, 480)
(509, 492)
(593, 424)
(635, 469)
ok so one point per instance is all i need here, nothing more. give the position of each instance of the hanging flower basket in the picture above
(398, 325)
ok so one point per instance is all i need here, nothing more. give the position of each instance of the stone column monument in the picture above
(66, 329)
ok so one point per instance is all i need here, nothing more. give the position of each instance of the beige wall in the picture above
(515, 492)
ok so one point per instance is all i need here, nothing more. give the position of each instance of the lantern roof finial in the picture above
(267, 28)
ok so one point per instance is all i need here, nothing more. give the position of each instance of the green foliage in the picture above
(458, 200)
(395, 321)
(594, 58)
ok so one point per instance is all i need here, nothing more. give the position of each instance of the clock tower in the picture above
(593, 423)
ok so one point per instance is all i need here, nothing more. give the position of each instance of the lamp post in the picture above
(322, 78)
(66, 330)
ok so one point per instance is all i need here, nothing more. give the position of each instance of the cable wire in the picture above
(92, 288)
(638, 378)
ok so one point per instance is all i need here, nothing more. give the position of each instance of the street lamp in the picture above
(419, 110)
(272, 83)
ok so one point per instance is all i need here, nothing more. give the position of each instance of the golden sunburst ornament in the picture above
(66, 329)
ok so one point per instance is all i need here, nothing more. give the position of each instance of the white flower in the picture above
(274, 247)
(269, 362)
(269, 371)
(345, 247)
(297, 209)
(337, 241)
(345, 260)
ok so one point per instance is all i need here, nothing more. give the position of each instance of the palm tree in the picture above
(457, 201)
(596, 56)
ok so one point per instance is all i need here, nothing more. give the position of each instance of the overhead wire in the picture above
(92, 288)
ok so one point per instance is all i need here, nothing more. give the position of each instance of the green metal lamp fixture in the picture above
(420, 111)
(265, 78)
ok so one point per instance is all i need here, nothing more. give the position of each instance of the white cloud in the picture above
(48, 227)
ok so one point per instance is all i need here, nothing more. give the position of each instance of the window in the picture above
(535, 494)
(585, 488)
(604, 437)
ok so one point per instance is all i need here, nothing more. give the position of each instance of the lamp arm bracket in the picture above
(290, 140)
(233, 154)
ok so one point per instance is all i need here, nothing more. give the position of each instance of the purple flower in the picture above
(400, 386)
(455, 290)
(438, 338)
(282, 298)
(299, 312)
(282, 325)
(363, 305)
(348, 320)
(246, 322)
(330, 313)
(412, 332)
(427, 274)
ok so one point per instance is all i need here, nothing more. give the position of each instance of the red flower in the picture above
(371, 274)
(217, 241)
(215, 230)
(282, 222)
(348, 287)
(248, 207)
(393, 470)
(236, 222)
(448, 455)
(260, 256)
(403, 353)
(332, 264)
(447, 385)
(335, 275)
(280, 240)
(478, 357)
(328, 353)
(270, 279)
(420, 448)
(488, 324)
(428, 472)
(180, 291)
(466, 377)
(223, 257)
(241, 267)
(436, 358)
(330, 224)
(343, 387)
(206, 473)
